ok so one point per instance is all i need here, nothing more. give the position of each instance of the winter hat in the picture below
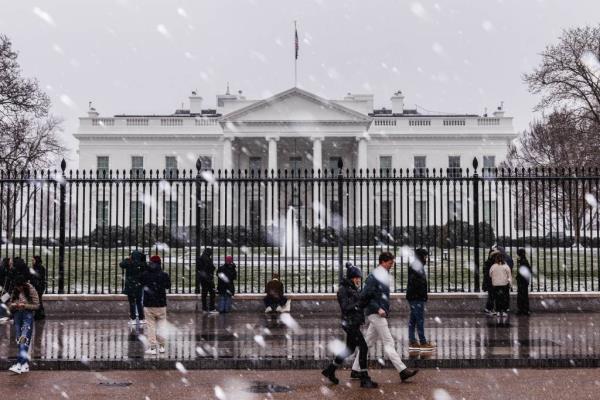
(352, 271)
(228, 259)
(155, 259)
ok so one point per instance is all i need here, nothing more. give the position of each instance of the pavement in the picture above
(303, 341)
(436, 384)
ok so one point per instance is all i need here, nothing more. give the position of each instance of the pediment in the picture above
(295, 105)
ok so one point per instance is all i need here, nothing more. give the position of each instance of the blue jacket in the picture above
(376, 293)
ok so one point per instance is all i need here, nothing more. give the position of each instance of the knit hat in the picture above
(228, 259)
(155, 259)
(352, 271)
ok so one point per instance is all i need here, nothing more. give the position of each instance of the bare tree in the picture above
(29, 134)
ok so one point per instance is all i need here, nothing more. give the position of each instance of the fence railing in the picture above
(303, 224)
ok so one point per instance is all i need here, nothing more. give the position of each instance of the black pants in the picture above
(136, 306)
(502, 298)
(208, 290)
(489, 305)
(354, 339)
(523, 297)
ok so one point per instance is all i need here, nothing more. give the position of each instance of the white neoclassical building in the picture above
(293, 129)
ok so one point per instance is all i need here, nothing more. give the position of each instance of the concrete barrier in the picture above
(115, 304)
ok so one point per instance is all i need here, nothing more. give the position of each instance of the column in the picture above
(362, 195)
(272, 217)
(317, 206)
(226, 189)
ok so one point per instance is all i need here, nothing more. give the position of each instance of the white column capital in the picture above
(317, 138)
(366, 137)
(272, 138)
(227, 137)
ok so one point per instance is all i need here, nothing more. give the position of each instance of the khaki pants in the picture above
(156, 317)
(378, 327)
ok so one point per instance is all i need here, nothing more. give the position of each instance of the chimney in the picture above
(398, 102)
(195, 103)
(499, 113)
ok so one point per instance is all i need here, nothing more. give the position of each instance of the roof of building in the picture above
(208, 113)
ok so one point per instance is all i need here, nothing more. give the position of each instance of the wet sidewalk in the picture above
(258, 341)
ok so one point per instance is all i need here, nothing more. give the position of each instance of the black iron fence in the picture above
(302, 224)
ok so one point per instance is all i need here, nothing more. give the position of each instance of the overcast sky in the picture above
(134, 56)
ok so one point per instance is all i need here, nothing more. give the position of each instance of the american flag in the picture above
(296, 45)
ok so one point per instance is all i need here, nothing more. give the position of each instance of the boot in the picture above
(329, 373)
(354, 374)
(407, 373)
(366, 382)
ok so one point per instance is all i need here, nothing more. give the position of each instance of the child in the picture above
(416, 294)
(352, 318)
(155, 283)
(523, 280)
(23, 302)
(501, 281)
(225, 287)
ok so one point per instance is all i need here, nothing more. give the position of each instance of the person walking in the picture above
(501, 281)
(38, 280)
(226, 275)
(155, 283)
(416, 294)
(487, 282)
(353, 317)
(23, 302)
(375, 297)
(134, 267)
(524, 274)
(275, 299)
(205, 279)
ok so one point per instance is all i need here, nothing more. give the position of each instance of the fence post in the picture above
(198, 220)
(340, 219)
(476, 223)
(61, 239)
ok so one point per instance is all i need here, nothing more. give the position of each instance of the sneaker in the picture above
(268, 310)
(142, 322)
(366, 382)
(427, 346)
(504, 314)
(151, 351)
(131, 322)
(407, 373)
(414, 346)
(213, 312)
(355, 374)
(16, 368)
(329, 373)
(24, 368)
(488, 312)
(22, 340)
(161, 349)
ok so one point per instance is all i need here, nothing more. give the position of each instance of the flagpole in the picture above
(295, 55)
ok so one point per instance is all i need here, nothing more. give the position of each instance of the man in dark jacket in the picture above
(487, 282)
(226, 275)
(353, 317)
(375, 296)
(38, 280)
(155, 283)
(134, 267)
(416, 294)
(205, 279)
(275, 298)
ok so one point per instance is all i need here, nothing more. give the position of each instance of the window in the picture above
(421, 213)
(254, 213)
(489, 213)
(386, 214)
(102, 216)
(102, 166)
(295, 164)
(454, 167)
(334, 209)
(455, 210)
(255, 164)
(420, 165)
(206, 163)
(137, 166)
(385, 163)
(136, 213)
(489, 166)
(171, 213)
(333, 165)
(206, 214)
(171, 166)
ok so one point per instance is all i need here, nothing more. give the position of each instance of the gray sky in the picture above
(131, 56)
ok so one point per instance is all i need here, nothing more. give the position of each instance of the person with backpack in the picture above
(205, 279)
(501, 281)
(134, 267)
(524, 274)
(416, 294)
(155, 283)
(353, 317)
(38, 280)
(23, 303)
(226, 275)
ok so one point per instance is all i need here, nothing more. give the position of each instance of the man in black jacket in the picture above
(353, 317)
(134, 267)
(416, 294)
(155, 282)
(205, 279)
(375, 296)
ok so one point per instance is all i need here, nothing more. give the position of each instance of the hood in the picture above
(154, 266)
(208, 252)
(137, 256)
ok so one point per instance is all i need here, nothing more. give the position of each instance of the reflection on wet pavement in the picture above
(254, 337)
